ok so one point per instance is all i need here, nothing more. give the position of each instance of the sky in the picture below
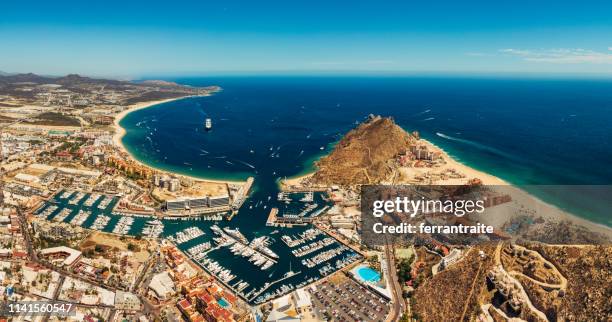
(138, 38)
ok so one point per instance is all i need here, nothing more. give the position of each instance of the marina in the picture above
(186, 235)
(258, 264)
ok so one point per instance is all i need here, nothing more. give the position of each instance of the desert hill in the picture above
(362, 156)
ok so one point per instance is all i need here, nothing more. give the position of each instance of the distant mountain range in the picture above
(28, 86)
(71, 79)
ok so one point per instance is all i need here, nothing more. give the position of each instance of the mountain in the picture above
(362, 156)
(68, 80)
(35, 89)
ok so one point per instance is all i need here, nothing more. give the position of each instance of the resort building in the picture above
(199, 205)
(451, 258)
(61, 255)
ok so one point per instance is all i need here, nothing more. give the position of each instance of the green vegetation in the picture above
(404, 269)
(71, 146)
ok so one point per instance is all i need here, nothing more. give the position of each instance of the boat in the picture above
(208, 124)
(236, 234)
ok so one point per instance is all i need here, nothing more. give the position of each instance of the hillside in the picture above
(35, 89)
(362, 156)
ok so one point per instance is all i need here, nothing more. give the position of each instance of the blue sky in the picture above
(139, 38)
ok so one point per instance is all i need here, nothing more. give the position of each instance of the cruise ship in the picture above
(208, 124)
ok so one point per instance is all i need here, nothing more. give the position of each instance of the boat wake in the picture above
(423, 112)
(478, 146)
(247, 164)
(429, 119)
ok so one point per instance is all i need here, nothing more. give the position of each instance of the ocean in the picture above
(547, 135)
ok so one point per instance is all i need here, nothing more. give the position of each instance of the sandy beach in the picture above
(120, 132)
(451, 163)
(503, 214)
(520, 197)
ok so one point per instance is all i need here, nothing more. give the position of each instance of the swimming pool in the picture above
(223, 303)
(369, 275)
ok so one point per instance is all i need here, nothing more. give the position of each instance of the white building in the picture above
(162, 286)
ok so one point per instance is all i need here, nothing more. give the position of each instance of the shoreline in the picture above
(120, 132)
(551, 211)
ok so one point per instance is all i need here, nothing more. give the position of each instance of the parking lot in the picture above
(342, 299)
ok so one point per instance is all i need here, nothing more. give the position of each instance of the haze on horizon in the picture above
(139, 38)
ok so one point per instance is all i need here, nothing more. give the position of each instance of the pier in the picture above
(289, 274)
(272, 217)
(288, 222)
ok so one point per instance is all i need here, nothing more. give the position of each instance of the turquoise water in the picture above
(369, 275)
(223, 303)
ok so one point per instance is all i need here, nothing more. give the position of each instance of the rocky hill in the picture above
(362, 156)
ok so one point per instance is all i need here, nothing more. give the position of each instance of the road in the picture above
(396, 289)
(55, 295)
(26, 235)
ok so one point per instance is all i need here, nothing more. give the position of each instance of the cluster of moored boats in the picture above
(66, 194)
(80, 217)
(283, 289)
(306, 236)
(313, 247)
(153, 228)
(323, 257)
(221, 272)
(198, 252)
(74, 199)
(186, 235)
(62, 214)
(257, 251)
(123, 226)
(100, 223)
(254, 257)
(48, 211)
(104, 203)
(92, 199)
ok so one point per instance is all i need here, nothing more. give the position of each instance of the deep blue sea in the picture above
(531, 132)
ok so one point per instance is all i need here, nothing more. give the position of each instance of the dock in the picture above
(240, 197)
(288, 222)
(272, 217)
